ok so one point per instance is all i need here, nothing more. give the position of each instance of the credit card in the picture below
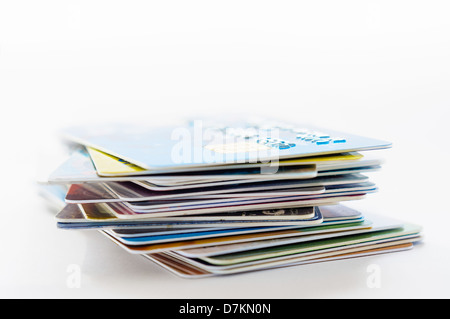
(198, 144)
(190, 269)
(108, 165)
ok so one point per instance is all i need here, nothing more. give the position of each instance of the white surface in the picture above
(376, 68)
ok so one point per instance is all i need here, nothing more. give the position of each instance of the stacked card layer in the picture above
(245, 210)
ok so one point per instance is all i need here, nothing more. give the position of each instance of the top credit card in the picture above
(203, 143)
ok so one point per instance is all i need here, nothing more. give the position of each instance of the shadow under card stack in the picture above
(218, 198)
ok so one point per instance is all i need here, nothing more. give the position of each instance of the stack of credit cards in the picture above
(222, 197)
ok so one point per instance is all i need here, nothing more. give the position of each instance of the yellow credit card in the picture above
(109, 165)
(323, 158)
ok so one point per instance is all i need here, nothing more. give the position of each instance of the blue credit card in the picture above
(201, 143)
(71, 217)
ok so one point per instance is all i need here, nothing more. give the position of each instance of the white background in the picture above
(375, 68)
